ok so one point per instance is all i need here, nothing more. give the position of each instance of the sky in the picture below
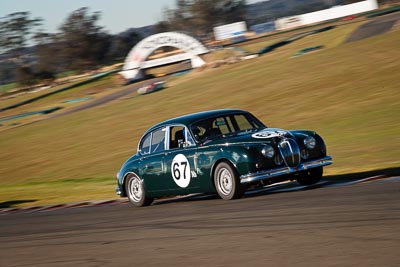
(116, 15)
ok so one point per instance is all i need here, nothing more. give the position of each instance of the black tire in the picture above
(226, 181)
(136, 192)
(311, 176)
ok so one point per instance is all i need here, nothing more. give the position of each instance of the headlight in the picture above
(309, 142)
(268, 151)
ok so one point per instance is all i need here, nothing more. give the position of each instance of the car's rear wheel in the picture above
(227, 182)
(311, 176)
(136, 192)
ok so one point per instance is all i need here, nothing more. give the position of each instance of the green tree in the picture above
(47, 59)
(122, 44)
(83, 43)
(15, 32)
(199, 17)
(162, 26)
(233, 10)
(25, 75)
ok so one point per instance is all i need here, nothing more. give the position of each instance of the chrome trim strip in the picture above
(285, 146)
(291, 151)
(263, 175)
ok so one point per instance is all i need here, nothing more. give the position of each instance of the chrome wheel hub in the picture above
(225, 181)
(135, 189)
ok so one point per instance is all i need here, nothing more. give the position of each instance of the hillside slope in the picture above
(348, 93)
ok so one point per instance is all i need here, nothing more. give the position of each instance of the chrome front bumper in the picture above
(118, 191)
(265, 175)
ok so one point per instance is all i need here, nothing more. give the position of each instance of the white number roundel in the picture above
(268, 134)
(180, 170)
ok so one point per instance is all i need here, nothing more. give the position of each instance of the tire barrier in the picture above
(76, 100)
(308, 50)
(181, 73)
(240, 50)
(384, 12)
(92, 79)
(45, 111)
(274, 46)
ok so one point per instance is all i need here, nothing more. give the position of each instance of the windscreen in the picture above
(221, 126)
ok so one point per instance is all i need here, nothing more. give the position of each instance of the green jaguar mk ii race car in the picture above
(219, 151)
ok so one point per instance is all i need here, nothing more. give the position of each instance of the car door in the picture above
(180, 161)
(151, 161)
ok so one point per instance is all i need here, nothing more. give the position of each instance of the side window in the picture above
(221, 124)
(189, 138)
(242, 122)
(230, 124)
(145, 145)
(178, 135)
(158, 141)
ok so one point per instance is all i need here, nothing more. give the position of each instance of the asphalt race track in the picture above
(374, 27)
(342, 223)
(129, 90)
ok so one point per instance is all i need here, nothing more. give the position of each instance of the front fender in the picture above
(242, 157)
(130, 166)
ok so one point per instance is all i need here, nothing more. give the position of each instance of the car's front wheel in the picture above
(227, 182)
(136, 192)
(311, 176)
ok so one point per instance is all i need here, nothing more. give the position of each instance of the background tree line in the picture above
(198, 17)
(80, 44)
(28, 54)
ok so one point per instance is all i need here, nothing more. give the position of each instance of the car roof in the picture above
(194, 117)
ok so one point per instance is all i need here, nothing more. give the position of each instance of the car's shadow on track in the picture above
(361, 175)
(286, 187)
(10, 204)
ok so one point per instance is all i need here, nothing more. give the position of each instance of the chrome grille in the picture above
(290, 152)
